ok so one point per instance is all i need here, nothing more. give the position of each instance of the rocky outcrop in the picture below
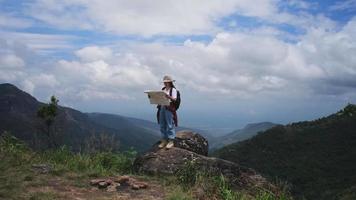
(169, 161)
(190, 141)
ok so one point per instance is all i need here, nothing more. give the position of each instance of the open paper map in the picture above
(157, 97)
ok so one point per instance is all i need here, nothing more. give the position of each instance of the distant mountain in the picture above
(154, 126)
(18, 115)
(317, 157)
(247, 132)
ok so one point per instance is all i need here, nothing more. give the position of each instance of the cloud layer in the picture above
(147, 18)
(279, 53)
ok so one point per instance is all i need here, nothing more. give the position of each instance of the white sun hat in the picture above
(167, 78)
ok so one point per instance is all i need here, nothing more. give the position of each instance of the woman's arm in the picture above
(171, 98)
(174, 95)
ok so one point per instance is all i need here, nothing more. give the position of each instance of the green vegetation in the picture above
(206, 185)
(98, 164)
(179, 194)
(317, 157)
(16, 174)
(62, 159)
(48, 114)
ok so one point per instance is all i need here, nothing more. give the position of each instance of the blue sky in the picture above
(235, 61)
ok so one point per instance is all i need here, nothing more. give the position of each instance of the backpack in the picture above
(176, 103)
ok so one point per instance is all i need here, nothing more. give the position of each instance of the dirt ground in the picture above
(71, 187)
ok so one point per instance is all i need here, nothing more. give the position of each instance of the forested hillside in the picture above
(317, 157)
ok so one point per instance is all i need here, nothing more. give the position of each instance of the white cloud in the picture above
(62, 14)
(9, 21)
(15, 67)
(39, 43)
(28, 86)
(147, 18)
(167, 17)
(93, 53)
(332, 51)
(245, 64)
(10, 61)
(104, 75)
(300, 4)
(239, 65)
(45, 80)
(94, 94)
(348, 5)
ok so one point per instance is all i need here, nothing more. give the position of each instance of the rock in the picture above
(163, 161)
(120, 182)
(109, 181)
(123, 179)
(103, 184)
(42, 168)
(170, 161)
(135, 187)
(142, 185)
(94, 182)
(113, 187)
(190, 141)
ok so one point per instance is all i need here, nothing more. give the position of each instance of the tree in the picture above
(48, 114)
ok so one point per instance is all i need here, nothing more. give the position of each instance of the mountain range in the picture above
(18, 115)
(245, 133)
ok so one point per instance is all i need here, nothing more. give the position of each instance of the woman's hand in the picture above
(168, 97)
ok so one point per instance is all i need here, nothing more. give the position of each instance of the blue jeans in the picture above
(166, 123)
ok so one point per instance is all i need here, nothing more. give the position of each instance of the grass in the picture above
(179, 194)
(205, 185)
(97, 164)
(76, 169)
(16, 172)
(44, 196)
(14, 169)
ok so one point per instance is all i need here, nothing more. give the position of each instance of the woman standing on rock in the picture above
(167, 115)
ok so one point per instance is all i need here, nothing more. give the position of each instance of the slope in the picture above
(318, 157)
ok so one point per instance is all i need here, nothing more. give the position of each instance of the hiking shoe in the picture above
(170, 144)
(162, 144)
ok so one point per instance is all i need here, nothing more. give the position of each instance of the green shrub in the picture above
(14, 150)
(10, 144)
(190, 176)
(187, 175)
(267, 195)
(224, 189)
(264, 195)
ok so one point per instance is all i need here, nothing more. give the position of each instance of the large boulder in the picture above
(169, 161)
